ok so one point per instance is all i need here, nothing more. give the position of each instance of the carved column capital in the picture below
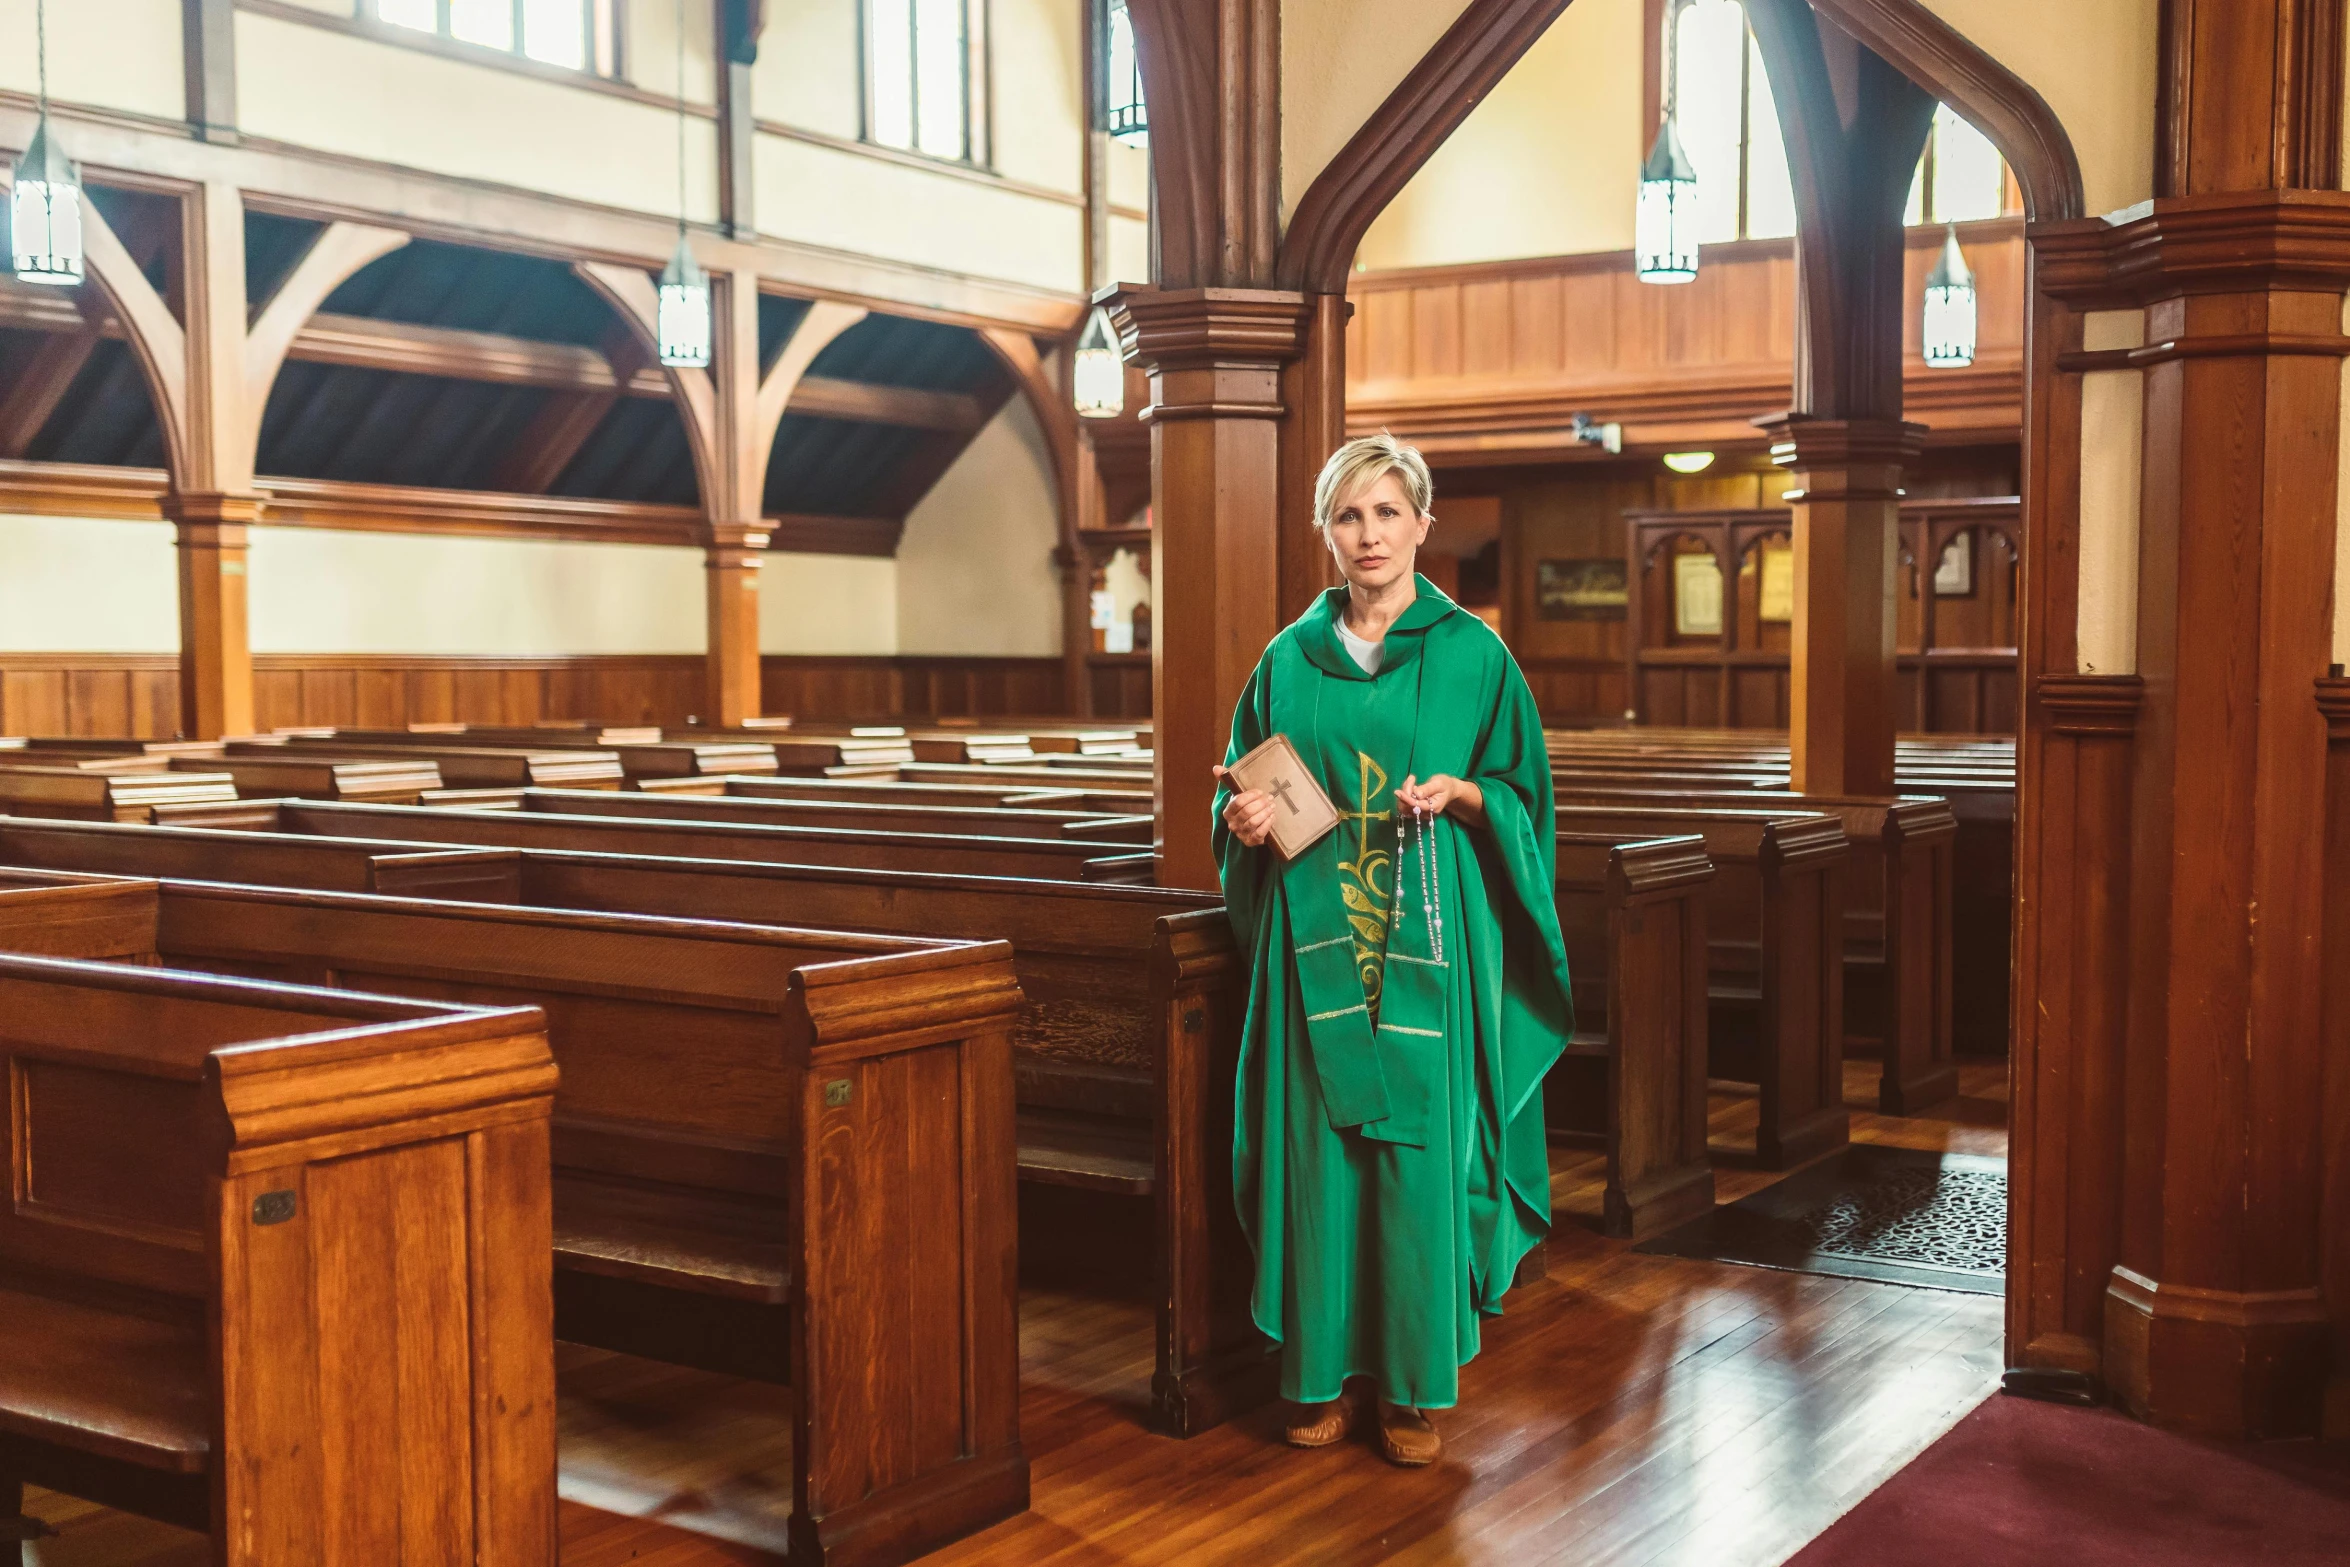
(2333, 700)
(2088, 706)
(212, 519)
(1843, 458)
(1212, 353)
(741, 545)
(2235, 243)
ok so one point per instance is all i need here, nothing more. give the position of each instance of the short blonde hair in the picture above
(1364, 461)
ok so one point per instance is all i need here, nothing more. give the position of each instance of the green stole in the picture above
(1379, 1069)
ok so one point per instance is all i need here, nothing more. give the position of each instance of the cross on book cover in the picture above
(1302, 813)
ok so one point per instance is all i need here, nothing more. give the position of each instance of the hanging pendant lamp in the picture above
(45, 210)
(1950, 320)
(1664, 230)
(1124, 115)
(1100, 372)
(682, 322)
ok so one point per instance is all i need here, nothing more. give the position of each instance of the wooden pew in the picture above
(463, 767)
(1776, 937)
(280, 1271)
(642, 753)
(414, 870)
(78, 794)
(783, 1154)
(1899, 974)
(983, 821)
(886, 791)
(1124, 1057)
(1049, 858)
(320, 778)
(1634, 1074)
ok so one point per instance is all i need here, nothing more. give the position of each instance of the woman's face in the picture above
(1376, 534)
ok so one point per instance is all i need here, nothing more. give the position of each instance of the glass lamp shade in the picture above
(1950, 321)
(1123, 113)
(683, 320)
(45, 214)
(1100, 373)
(1665, 230)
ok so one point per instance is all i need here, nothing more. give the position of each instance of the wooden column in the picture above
(736, 545)
(1845, 686)
(2333, 700)
(1215, 357)
(216, 656)
(2215, 1314)
(208, 48)
(1854, 127)
(1314, 389)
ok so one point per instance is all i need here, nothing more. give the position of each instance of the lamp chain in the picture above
(681, 119)
(41, 48)
(1673, 58)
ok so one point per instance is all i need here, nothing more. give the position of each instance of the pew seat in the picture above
(111, 1383)
(676, 1241)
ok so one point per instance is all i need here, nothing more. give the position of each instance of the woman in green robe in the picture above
(1409, 983)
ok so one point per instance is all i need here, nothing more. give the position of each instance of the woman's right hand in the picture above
(1249, 814)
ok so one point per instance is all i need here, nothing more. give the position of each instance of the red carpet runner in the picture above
(2025, 1484)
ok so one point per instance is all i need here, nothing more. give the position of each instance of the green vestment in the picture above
(1388, 1156)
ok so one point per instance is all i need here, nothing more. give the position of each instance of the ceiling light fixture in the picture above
(45, 209)
(1951, 317)
(1099, 373)
(682, 320)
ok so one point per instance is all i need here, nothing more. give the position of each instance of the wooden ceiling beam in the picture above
(25, 406)
(557, 431)
(402, 347)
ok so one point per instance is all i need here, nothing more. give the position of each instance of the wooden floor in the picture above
(1628, 1410)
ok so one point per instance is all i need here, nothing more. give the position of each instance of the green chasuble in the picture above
(1408, 992)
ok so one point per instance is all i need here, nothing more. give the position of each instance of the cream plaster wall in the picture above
(649, 48)
(1039, 114)
(2095, 63)
(351, 95)
(1545, 166)
(975, 568)
(123, 54)
(1130, 176)
(1339, 61)
(828, 604)
(808, 72)
(840, 199)
(2113, 441)
(69, 585)
(1130, 251)
(313, 590)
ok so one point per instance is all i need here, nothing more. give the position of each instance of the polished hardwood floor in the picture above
(1628, 1410)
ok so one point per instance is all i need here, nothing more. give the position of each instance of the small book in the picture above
(1302, 813)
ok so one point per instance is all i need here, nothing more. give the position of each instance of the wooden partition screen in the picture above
(1709, 643)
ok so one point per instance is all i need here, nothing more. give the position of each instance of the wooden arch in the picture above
(1491, 36)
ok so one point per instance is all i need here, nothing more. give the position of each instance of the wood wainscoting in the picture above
(138, 693)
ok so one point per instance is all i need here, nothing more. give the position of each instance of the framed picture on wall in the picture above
(1697, 596)
(1954, 573)
(1776, 603)
(1593, 589)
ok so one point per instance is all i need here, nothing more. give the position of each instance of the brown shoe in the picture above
(1407, 1436)
(1321, 1425)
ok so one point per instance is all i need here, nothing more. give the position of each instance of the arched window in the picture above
(1122, 111)
(582, 35)
(1730, 128)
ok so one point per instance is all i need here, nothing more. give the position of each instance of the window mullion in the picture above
(443, 24)
(1745, 121)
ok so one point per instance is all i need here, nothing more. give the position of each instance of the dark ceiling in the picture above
(365, 424)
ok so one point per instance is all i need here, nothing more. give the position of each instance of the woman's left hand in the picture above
(1443, 793)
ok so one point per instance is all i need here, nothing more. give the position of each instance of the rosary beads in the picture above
(1416, 833)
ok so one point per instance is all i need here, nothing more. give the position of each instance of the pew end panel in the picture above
(1802, 863)
(1660, 1173)
(903, 1235)
(278, 1258)
(1212, 1362)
